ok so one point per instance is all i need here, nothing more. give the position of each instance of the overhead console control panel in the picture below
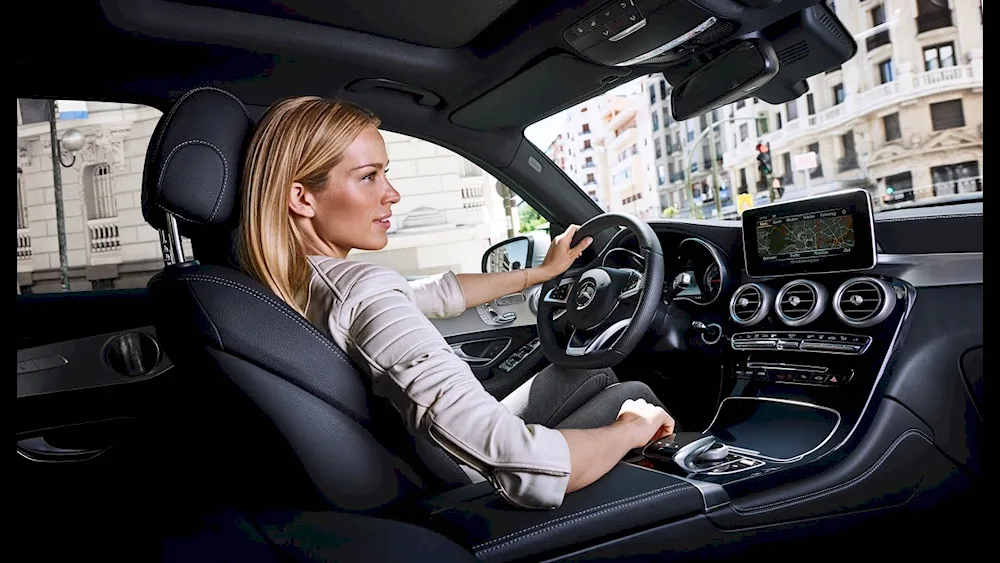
(630, 32)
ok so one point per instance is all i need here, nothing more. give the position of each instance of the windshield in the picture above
(903, 119)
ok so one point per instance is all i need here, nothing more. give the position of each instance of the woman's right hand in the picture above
(646, 422)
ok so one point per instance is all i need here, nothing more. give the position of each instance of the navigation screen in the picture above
(805, 235)
(822, 234)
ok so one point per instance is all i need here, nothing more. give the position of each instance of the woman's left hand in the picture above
(560, 255)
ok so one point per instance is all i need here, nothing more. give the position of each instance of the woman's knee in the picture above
(636, 390)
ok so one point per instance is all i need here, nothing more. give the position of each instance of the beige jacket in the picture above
(381, 321)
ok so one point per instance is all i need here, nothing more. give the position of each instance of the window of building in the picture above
(660, 177)
(885, 71)
(839, 94)
(947, 115)
(792, 109)
(622, 176)
(939, 56)
(890, 124)
(586, 144)
(656, 121)
(899, 187)
(588, 162)
(663, 89)
(586, 128)
(810, 104)
(652, 94)
(741, 104)
(786, 163)
(849, 160)
(658, 149)
(744, 132)
(590, 178)
(780, 123)
(932, 14)
(818, 171)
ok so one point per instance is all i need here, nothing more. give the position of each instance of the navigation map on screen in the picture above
(805, 235)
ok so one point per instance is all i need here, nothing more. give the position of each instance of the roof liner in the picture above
(436, 23)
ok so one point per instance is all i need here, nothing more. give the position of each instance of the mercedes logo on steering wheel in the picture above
(584, 297)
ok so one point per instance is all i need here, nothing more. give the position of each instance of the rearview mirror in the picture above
(728, 78)
(509, 255)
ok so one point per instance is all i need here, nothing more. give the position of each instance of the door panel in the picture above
(498, 341)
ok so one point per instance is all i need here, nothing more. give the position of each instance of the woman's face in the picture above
(353, 210)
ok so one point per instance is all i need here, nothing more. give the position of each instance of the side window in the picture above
(450, 211)
(100, 157)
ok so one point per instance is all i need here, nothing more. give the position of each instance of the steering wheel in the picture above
(601, 313)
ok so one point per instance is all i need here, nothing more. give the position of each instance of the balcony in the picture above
(104, 235)
(908, 86)
(23, 245)
(877, 40)
(933, 20)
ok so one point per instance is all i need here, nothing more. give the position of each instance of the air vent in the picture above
(793, 53)
(863, 302)
(750, 303)
(800, 302)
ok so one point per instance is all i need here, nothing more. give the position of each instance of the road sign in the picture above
(743, 202)
(804, 161)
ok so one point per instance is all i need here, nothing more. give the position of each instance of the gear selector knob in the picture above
(717, 452)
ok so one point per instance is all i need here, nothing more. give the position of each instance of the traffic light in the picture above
(764, 160)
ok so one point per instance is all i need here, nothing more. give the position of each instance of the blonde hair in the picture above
(298, 139)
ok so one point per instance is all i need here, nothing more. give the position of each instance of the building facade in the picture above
(449, 214)
(903, 117)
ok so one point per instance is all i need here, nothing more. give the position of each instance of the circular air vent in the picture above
(863, 302)
(750, 303)
(800, 302)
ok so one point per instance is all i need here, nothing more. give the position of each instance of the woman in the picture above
(315, 188)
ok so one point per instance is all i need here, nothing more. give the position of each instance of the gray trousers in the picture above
(559, 397)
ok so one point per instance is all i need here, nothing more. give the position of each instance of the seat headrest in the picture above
(194, 161)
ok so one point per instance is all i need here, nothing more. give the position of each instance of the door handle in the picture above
(457, 348)
(37, 449)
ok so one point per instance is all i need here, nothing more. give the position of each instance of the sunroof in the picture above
(434, 23)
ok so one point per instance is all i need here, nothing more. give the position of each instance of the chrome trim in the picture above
(717, 338)
(871, 220)
(692, 451)
(766, 302)
(598, 341)
(933, 270)
(694, 32)
(819, 292)
(174, 237)
(754, 453)
(639, 285)
(719, 262)
(631, 29)
(887, 307)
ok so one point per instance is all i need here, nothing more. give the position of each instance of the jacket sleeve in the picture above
(440, 296)
(439, 397)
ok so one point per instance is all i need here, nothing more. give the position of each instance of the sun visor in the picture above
(542, 89)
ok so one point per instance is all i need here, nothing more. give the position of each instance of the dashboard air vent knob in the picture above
(750, 303)
(800, 302)
(864, 301)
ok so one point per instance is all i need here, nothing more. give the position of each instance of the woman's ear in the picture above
(300, 201)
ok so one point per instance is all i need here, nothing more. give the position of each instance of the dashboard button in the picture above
(787, 344)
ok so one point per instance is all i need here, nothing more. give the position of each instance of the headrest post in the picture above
(174, 236)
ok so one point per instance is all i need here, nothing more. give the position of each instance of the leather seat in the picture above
(271, 411)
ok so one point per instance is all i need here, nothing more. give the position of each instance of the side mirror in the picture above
(511, 254)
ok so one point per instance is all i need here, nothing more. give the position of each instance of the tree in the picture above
(530, 219)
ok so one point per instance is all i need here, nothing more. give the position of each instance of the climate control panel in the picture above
(823, 376)
(823, 342)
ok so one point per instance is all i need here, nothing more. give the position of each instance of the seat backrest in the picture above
(273, 412)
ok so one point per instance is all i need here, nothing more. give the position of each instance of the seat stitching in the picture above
(753, 510)
(228, 283)
(580, 516)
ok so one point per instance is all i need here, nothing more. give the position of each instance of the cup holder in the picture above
(132, 354)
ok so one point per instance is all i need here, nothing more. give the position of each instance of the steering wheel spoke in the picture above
(582, 342)
(633, 287)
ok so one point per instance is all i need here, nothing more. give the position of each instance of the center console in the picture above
(809, 335)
